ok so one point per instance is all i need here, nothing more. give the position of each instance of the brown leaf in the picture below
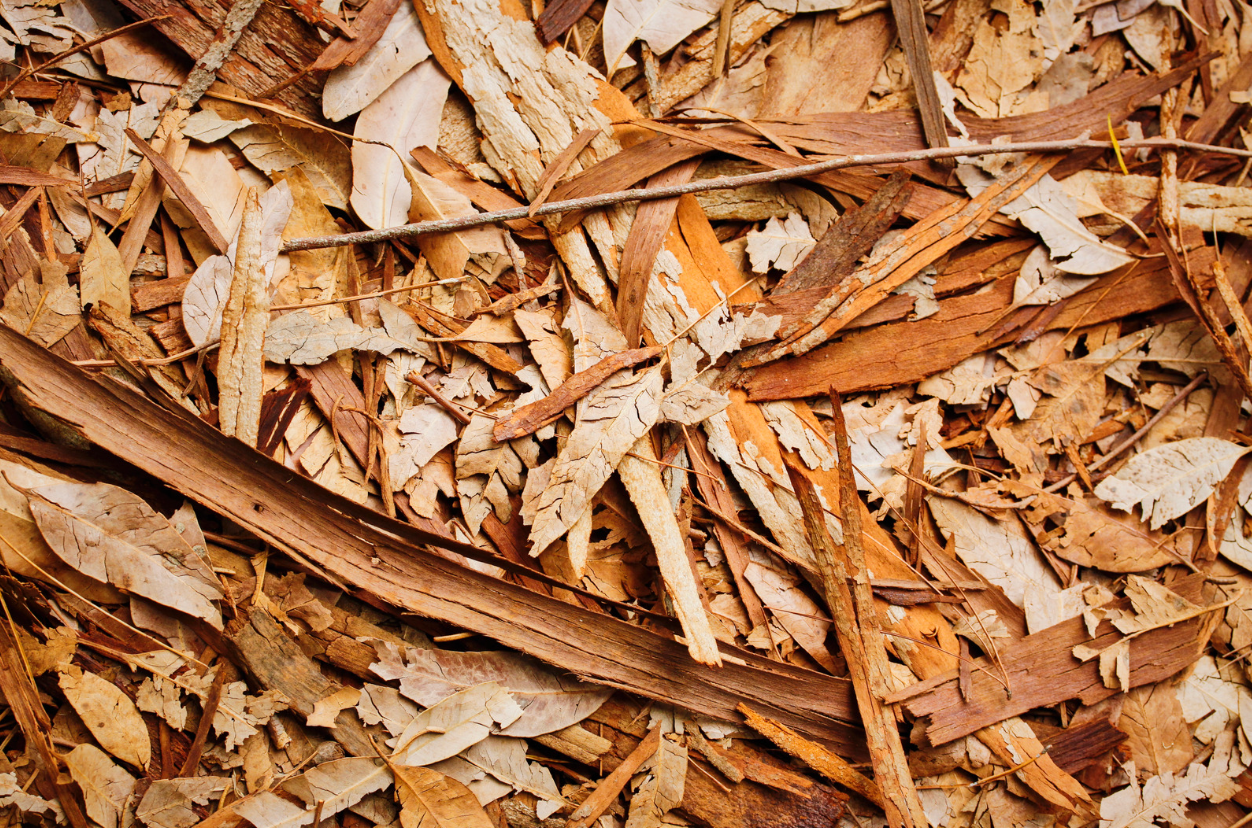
(114, 537)
(428, 799)
(548, 701)
(110, 716)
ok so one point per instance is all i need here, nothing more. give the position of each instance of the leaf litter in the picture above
(533, 513)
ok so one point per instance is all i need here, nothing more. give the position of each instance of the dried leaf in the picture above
(333, 786)
(548, 701)
(11, 795)
(487, 472)
(325, 710)
(116, 538)
(110, 716)
(428, 799)
(498, 765)
(44, 308)
(612, 418)
(691, 403)
(300, 338)
(998, 550)
(402, 46)
(781, 245)
(1165, 797)
(1171, 480)
(102, 277)
(405, 116)
(662, 24)
(1046, 209)
(168, 803)
(662, 789)
(106, 787)
(449, 727)
(209, 288)
(798, 614)
(275, 148)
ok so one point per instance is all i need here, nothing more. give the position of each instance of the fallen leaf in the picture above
(612, 418)
(548, 701)
(116, 538)
(662, 24)
(428, 799)
(106, 787)
(44, 307)
(207, 292)
(661, 791)
(329, 788)
(405, 116)
(168, 803)
(781, 245)
(325, 710)
(998, 550)
(1165, 797)
(449, 727)
(300, 338)
(1171, 480)
(498, 765)
(402, 46)
(102, 276)
(110, 716)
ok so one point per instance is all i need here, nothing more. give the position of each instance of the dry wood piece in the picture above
(530, 418)
(845, 582)
(817, 758)
(556, 476)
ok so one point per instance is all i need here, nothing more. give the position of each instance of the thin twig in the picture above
(378, 294)
(1134, 438)
(731, 182)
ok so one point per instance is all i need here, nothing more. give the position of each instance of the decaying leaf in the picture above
(781, 245)
(402, 46)
(327, 789)
(106, 787)
(168, 803)
(429, 799)
(612, 418)
(1171, 480)
(548, 701)
(110, 716)
(114, 537)
(401, 118)
(662, 789)
(44, 306)
(458, 721)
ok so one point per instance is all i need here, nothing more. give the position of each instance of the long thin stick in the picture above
(731, 182)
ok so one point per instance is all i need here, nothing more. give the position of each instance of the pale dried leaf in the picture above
(168, 803)
(662, 789)
(102, 276)
(334, 785)
(691, 403)
(547, 345)
(549, 701)
(105, 786)
(662, 24)
(998, 550)
(780, 245)
(206, 295)
(11, 795)
(497, 765)
(613, 417)
(402, 46)
(110, 716)
(116, 538)
(449, 727)
(1165, 797)
(403, 117)
(44, 308)
(1171, 480)
(300, 338)
(429, 799)
(325, 710)
(798, 614)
